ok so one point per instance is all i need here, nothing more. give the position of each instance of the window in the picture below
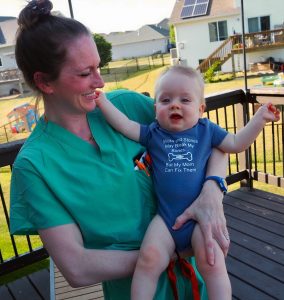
(258, 24)
(2, 38)
(1, 62)
(218, 31)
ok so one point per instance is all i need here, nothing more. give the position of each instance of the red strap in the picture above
(188, 271)
(172, 278)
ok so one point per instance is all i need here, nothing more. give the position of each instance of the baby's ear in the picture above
(202, 109)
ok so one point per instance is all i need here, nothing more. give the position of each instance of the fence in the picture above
(120, 70)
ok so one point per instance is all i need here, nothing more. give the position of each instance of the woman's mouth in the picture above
(91, 95)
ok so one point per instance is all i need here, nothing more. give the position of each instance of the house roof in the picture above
(217, 8)
(5, 18)
(145, 33)
(8, 29)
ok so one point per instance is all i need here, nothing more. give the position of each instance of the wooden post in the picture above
(244, 157)
(233, 65)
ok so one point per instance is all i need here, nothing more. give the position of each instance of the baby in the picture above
(180, 142)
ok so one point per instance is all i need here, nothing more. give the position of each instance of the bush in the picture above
(209, 74)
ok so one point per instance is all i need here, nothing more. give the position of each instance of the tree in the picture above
(104, 49)
(172, 35)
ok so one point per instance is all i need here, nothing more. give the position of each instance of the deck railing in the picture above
(10, 74)
(234, 44)
(231, 110)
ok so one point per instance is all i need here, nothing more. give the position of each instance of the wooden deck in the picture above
(33, 287)
(256, 257)
(255, 261)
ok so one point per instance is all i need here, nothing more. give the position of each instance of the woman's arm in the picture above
(207, 209)
(81, 266)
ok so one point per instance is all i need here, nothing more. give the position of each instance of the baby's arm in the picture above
(235, 143)
(117, 119)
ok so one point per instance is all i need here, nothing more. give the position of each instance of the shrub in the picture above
(209, 74)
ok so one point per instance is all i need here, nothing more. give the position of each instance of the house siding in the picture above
(7, 58)
(139, 49)
(192, 35)
(194, 40)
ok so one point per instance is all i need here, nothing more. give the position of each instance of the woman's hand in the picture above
(207, 209)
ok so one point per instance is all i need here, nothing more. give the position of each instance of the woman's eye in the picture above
(85, 74)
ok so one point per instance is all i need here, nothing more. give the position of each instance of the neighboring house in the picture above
(201, 26)
(9, 77)
(8, 29)
(147, 40)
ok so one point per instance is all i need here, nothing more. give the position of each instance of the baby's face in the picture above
(178, 102)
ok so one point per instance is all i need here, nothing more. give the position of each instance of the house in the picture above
(203, 26)
(147, 40)
(8, 29)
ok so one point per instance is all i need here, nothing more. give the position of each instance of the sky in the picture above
(104, 16)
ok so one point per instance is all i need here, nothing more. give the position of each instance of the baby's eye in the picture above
(165, 100)
(185, 100)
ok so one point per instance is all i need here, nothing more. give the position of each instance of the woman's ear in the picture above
(42, 83)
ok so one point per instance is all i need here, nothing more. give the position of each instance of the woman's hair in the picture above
(187, 71)
(42, 40)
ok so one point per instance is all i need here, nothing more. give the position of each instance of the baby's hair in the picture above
(187, 71)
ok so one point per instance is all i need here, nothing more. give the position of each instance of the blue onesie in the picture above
(179, 167)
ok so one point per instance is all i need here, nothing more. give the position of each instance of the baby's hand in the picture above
(100, 97)
(270, 113)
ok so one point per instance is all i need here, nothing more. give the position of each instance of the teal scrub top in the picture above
(59, 179)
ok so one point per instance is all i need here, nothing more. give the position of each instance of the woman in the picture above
(74, 181)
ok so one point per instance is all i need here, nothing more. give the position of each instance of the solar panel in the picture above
(194, 8)
(187, 11)
(200, 9)
(189, 2)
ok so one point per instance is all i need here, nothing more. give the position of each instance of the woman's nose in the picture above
(98, 81)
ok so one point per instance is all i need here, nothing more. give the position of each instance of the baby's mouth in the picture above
(175, 116)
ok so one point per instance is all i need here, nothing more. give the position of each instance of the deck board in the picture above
(22, 289)
(38, 279)
(255, 261)
(64, 291)
(4, 293)
(256, 257)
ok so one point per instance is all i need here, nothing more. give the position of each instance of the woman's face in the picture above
(75, 89)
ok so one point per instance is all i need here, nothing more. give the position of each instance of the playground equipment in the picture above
(22, 118)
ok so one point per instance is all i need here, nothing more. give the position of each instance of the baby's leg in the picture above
(216, 277)
(154, 256)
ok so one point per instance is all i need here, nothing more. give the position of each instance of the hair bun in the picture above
(33, 12)
(40, 7)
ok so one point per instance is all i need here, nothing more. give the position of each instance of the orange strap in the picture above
(188, 271)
